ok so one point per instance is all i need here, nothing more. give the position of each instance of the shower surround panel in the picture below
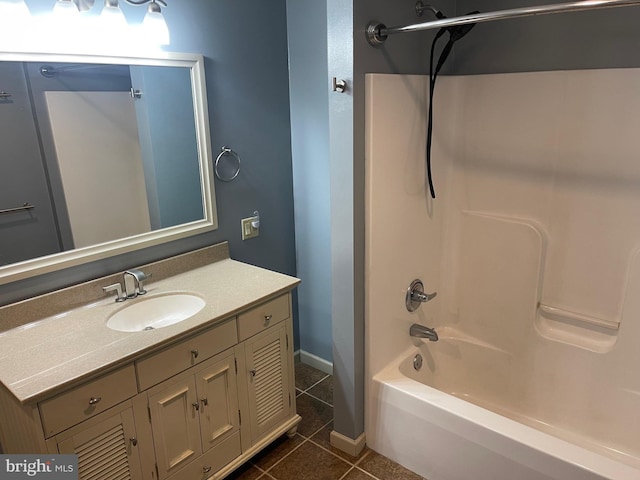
(532, 244)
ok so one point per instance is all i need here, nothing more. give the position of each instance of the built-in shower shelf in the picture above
(578, 329)
(549, 311)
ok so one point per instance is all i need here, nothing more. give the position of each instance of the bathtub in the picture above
(454, 436)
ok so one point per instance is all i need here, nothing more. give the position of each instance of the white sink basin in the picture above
(149, 313)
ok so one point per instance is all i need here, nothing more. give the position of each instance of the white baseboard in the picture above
(316, 362)
(346, 444)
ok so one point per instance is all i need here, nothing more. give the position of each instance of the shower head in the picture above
(421, 7)
(455, 33)
(460, 31)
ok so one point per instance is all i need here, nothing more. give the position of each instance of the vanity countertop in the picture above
(44, 357)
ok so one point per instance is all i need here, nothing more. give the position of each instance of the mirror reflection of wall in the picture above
(166, 105)
(98, 163)
(24, 176)
(97, 148)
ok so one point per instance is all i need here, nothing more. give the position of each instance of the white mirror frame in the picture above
(79, 256)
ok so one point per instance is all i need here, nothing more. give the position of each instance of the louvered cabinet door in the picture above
(106, 446)
(268, 380)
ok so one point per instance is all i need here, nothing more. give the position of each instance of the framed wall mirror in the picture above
(100, 156)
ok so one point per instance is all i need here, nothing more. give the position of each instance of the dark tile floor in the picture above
(309, 455)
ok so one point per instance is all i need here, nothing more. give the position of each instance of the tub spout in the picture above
(421, 331)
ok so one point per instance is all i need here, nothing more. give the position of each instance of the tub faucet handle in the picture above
(423, 297)
(416, 295)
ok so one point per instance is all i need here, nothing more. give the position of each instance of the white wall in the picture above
(403, 225)
(101, 177)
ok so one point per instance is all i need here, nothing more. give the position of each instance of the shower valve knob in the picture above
(339, 86)
(416, 296)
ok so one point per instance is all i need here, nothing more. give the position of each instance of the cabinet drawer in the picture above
(263, 316)
(89, 399)
(176, 358)
(206, 465)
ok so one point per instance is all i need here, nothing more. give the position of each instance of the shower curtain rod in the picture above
(377, 33)
(50, 71)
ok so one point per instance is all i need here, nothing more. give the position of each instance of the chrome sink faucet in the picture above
(133, 283)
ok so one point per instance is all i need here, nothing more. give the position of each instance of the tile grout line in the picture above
(347, 473)
(364, 455)
(365, 472)
(317, 431)
(283, 457)
(319, 381)
(353, 464)
(316, 398)
(306, 439)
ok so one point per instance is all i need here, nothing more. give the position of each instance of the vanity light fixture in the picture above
(154, 25)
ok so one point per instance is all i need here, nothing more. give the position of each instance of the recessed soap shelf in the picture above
(548, 310)
(578, 329)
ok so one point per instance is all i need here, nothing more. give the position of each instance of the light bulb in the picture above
(14, 11)
(62, 28)
(112, 18)
(154, 25)
(15, 21)
(65, 10)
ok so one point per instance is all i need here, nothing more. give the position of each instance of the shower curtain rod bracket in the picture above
(374, 37)
(374, 28)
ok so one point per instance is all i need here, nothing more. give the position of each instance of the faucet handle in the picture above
(141, 279)
(423, 297)
(118, 289)
(416, 295)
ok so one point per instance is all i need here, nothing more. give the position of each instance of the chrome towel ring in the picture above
(227, 165)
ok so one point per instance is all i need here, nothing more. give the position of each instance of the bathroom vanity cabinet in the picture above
(191, 409)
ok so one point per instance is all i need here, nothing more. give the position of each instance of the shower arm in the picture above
(377, 33)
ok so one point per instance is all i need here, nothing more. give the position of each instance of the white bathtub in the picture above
(443, 437)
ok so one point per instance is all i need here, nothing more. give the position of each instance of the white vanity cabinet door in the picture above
(193, 413)
(173, 407)
(268, 380)
(217, 390)
(106, 445)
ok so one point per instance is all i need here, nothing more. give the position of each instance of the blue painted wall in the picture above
(245, 50)
(309, 93)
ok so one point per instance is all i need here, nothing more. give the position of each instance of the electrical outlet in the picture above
(248, 230)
